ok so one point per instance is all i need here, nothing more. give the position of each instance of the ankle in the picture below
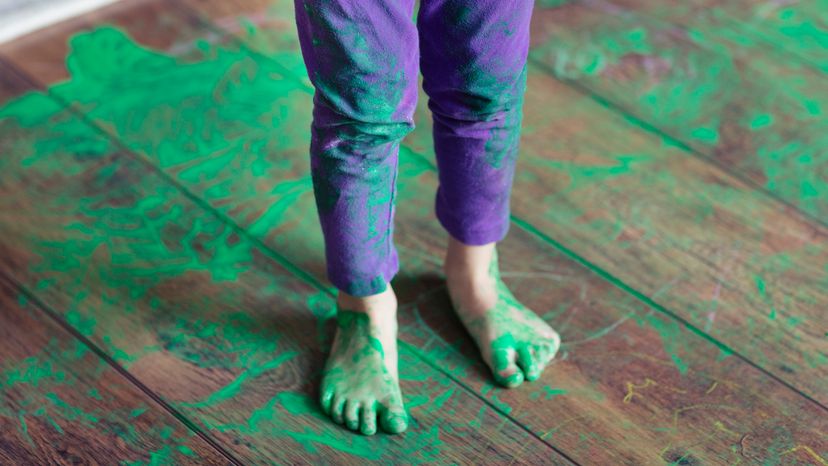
(467, 277)
(382, 304)
(464, 261)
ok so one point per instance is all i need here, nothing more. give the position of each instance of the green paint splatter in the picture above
(761, 121)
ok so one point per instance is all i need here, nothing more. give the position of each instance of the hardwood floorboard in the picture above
(62, 404)
(798, 28)
(200, 315)
(753, 109)
(705, 246)
(702, 403)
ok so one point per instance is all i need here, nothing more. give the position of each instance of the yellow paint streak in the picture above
(707, 437)
(631, 388)
(648, 382)
(712, 387)
(679, 411)
(722, 428)
(809, 451)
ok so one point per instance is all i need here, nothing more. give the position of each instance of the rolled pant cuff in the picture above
(366, 286)
(362, 288)
(476, 237)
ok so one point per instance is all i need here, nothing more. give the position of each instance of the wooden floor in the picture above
(162, 279)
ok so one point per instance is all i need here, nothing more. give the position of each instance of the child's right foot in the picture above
(360, 386)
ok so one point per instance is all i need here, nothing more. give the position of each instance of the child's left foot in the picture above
(515, 343)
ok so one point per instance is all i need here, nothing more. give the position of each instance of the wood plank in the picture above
(166, 289)
(591, 421)
(798, 28)
(669, 225)
(41, 61)
(689, 237)
(264, 25)
(62, 404)
(751, 108)
(632, 386)
(25, 17)
(632, 77)
(269, 115)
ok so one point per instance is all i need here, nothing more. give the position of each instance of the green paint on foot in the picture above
(514, 341)
(360, 386)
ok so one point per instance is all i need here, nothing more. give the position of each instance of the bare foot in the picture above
(360, 385)
(514, 342)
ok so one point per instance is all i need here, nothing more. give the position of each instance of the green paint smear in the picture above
(711, 82)
(43, 392)
(673, 335)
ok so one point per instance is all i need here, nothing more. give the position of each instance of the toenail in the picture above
(397, 423)
(513, 380)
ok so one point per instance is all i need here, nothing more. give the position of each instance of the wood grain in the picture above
(633, 385)
(62, 404)
(752, 108)
(798, 28)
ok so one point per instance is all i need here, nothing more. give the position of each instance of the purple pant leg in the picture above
(473, 60)
(362, 58)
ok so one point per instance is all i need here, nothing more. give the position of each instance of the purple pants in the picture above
(363, 58)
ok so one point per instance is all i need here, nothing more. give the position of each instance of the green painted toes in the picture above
(514, 361)
(360, 389)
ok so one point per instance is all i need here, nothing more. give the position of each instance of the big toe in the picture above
(544, 352)
(505, 368)
(326, 400)
(394, 420)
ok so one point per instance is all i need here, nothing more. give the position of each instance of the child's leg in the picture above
(362, 59)
(474, 68)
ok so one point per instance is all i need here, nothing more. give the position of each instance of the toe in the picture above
(554, 344)
(368, 422)
(351, 414)
(541, 353)
(506, 371)
(394, 420)
(337, 409)
(326, 399)
(527, 363)
(513, 380)
(544, 353)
